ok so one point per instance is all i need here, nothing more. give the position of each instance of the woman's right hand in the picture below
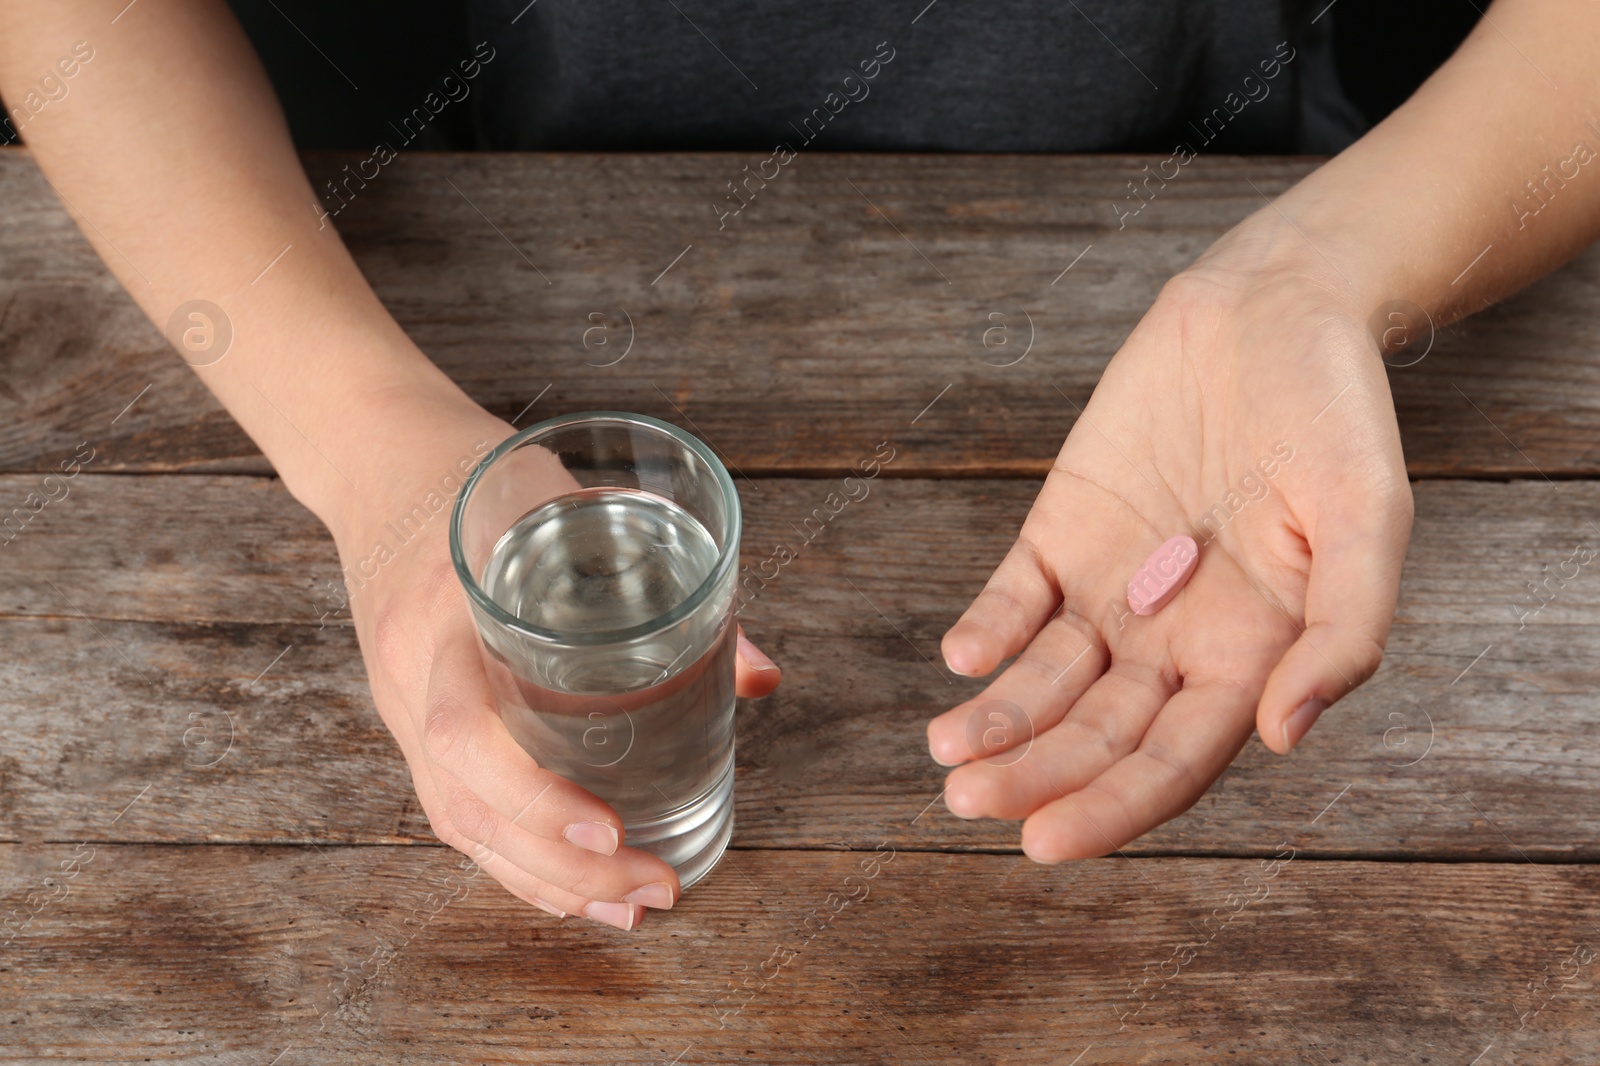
(549, 842)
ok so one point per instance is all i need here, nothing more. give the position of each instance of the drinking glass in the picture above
(599, 552)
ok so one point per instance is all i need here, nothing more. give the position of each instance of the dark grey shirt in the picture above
(952, 75)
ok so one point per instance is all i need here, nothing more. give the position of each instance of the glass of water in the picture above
(599, 553)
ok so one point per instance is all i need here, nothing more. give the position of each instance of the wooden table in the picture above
(211, 850)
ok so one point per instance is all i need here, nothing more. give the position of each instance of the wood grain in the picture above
(801, 332)
(397, 955)
(210, 851)
(1503, 767)
(1476, 739)
(242, 550)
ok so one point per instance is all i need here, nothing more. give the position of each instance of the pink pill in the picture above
(1162, 575)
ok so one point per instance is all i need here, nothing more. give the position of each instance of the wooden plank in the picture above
(1476, 739)
(1501, 768)
(803, 330)
(241, 549)
(204, 954)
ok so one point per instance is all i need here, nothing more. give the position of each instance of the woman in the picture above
(1473, 188)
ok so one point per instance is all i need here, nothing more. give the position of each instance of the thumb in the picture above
(1356, 555)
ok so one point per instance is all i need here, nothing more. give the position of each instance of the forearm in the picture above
(1408, 211)
(172, 155)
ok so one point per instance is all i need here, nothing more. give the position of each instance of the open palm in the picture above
(1250, 411)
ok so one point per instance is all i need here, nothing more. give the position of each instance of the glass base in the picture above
(692, 838)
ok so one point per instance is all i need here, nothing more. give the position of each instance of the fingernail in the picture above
(753, 657)
(959, 661)
(595, 836)
(945, 754)
(1300, 722)
(658, 895)
(621, 915)
(557, 911)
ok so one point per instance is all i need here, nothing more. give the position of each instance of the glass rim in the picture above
(727, 554)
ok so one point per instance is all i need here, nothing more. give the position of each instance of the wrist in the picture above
(400, 450)
(1272, 250)
(1271, 267)
(1388, 243)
